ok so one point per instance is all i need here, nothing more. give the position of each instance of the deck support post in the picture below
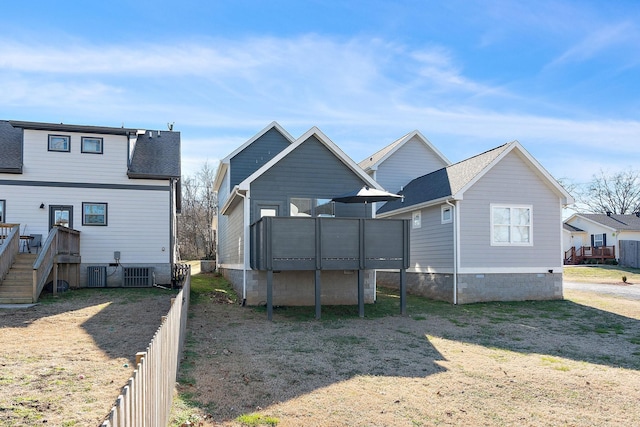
(361, 293)
(318, 294)
(403, 291)
(269, 294)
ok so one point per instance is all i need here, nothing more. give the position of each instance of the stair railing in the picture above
(9, 247)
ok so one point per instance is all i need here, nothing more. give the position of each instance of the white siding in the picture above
(511, 181)
(410, 161)
(138, 219)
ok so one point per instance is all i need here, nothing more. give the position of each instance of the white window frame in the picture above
(3, 211)
(511, 225)
(598, 242)
(416, 219)
(443, 210)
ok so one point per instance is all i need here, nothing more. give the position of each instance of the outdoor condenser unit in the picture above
(96, 276)
(136, 277)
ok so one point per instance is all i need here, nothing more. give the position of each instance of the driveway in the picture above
(624, 291)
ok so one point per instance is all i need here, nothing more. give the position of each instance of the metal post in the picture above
(318, 294)
(361, 293)
(269, 294)
(403, 291)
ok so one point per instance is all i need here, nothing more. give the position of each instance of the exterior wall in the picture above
(410, 161)
(310, 171)
(510, 182)
(231, 236)
(436, 286)
(256, 155)
(509, 287)
(432, 243)
(162, 273)
(297, 288)
(138, 211)
(474, 288)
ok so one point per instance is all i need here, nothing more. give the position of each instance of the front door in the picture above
(60, 215)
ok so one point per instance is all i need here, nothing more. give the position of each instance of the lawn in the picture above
(601, 274)
(573, 362)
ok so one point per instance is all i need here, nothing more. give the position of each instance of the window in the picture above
(299, 206)
(94, 214)
(3, 204)
(60, 143)
(446, 215)
(511, 225)
(268, 212)
(599, 240)
(416, 219)
(91, 145)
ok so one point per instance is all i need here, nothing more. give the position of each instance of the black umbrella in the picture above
(366, 195)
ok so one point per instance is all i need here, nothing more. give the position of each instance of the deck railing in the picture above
(9, 247)
(584, 253)
(61, 246)
(300, 243)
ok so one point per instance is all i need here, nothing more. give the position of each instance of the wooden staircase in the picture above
(17, 287)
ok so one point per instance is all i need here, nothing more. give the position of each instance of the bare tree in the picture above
(618, 193)
(196, 236)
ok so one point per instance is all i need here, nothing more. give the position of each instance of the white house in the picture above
(118, 187)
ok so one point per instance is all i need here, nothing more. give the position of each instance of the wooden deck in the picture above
(586, 254)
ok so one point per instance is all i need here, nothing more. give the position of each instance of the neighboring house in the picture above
(598, 236)
(488, 228)
(118, 187)
(277, 223)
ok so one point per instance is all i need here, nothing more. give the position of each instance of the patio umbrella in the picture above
(366, 195)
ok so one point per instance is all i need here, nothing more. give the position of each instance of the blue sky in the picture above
(562, 77)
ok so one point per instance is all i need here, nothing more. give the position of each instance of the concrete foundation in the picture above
(479, 287)
(297, 288)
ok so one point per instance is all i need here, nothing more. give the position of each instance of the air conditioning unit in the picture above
(137, 277)
(96, 276)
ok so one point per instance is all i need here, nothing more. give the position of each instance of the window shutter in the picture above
(592, 240)
(604, 239)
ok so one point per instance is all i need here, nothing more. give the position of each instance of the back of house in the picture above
(117, 186)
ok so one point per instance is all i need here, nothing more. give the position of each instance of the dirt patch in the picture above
(531, 364)
(64, 362)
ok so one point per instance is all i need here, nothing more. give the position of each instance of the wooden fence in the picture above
(629, 253)
(147, 398)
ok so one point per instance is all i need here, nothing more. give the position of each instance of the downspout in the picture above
(172, 223)
(245, 221)
(454, 213)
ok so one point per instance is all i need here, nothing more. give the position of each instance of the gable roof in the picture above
(372, 162)
(156, 156)
(450, 182)
(314, 131)
(324, 140)
(10, 147)
(571, 228)
(617, 222)
(223, 165)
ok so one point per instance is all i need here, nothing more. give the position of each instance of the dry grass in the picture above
(573, 362)
(64, 362)
(601, 274)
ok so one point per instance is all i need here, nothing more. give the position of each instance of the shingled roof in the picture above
(444, 182)
(156, 156)
(616, 221)
(10, 147)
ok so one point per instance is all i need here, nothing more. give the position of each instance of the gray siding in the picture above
(256, 155)
(412, 160)
(510, 182)
(231, 237)
(312, 171)
(431, 245)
